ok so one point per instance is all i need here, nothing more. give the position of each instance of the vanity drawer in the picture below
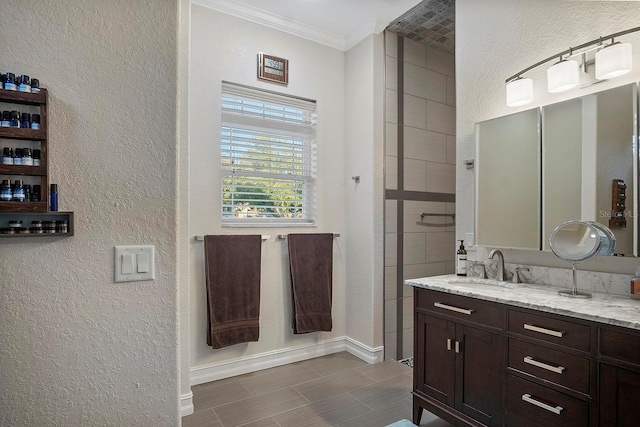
(561, 368)
(620, 344)
(542, 403)
(464, 308)
(550, 329)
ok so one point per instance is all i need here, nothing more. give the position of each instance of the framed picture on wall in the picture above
(273, 69)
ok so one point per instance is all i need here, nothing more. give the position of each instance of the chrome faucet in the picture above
(500, 275)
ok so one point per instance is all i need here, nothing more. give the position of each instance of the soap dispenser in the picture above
(461, 260)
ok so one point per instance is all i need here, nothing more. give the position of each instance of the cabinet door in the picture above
(479, 374)
(619, 396)
(435, 362)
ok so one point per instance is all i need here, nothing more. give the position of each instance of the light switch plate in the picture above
(135, 254)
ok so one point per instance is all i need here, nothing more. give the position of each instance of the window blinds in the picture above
(268, 157)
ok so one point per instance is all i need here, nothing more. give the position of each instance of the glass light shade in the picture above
(519, 92)
(613, 60)
(563, 76)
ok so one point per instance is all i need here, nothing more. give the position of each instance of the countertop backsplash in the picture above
(590, 281)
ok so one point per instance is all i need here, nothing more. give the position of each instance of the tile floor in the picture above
(334, 390)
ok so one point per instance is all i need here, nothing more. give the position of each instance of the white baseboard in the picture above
(364, 352)
(243, 365)
(186, 404)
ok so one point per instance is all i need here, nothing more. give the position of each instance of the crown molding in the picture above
(292, 27)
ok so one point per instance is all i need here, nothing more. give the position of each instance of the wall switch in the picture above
(127, 264)
(134, 263)
(143, 262)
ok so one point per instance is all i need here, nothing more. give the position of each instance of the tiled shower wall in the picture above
(419, 177)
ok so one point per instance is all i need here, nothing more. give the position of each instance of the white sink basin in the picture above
(476, 282)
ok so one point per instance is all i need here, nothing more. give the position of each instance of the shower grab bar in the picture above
(428, 224)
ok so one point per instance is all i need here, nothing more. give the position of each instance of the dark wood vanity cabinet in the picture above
(619, 377)
(459, 353)
(481, 363)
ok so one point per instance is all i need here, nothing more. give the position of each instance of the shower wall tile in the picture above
(415, 53)
(390, 249)
(391, 216)
(391, 315)
(390, 345)
(391, 44)
(440, 246)
(441, 62)
(451, 209)
(415, 112)
(391, 110)
(440, 118)
(423, 83)
(421, 144)
(391, 73)
(391, 139)
(451, 267)
(441, 177)
(411, 215)
(391, 173)
(415, 175)
(451, 91)
(451, 149)
(407, 343)
(390, 283)
(423, 270)
(414, 250)
(407, 312)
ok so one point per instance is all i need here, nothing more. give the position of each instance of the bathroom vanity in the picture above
(521, 355)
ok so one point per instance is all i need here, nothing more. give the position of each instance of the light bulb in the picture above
(613, 60)
(519, 92)
(563, 76)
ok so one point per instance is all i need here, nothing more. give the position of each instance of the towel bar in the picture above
(423, 214)
(284, 236)
(201, 238)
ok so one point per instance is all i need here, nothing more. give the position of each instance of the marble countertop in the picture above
(604, 308)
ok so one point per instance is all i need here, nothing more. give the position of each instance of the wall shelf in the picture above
(26, 219)
(37, 138)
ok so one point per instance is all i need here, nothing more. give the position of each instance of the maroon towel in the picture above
(232, 269)
(311, 267)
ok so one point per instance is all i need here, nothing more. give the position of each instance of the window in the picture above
(267, 147)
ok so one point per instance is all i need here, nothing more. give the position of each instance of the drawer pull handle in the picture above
(457, 346)
(531, 361)
(452, 308)
(449, 344)
(551, 332)
(556, 410)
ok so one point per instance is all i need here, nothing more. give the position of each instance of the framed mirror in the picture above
(585, 168)
(508, 181)
(590, 164)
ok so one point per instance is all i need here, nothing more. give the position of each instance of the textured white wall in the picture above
(226, 48)
(182, 199)
(497, 38)
(364, 84)
(76, 348)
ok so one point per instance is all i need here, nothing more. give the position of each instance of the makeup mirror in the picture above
(579, 241)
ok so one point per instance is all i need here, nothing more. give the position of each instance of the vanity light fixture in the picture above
(612, 59)
(519, 92)
(563, 76)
